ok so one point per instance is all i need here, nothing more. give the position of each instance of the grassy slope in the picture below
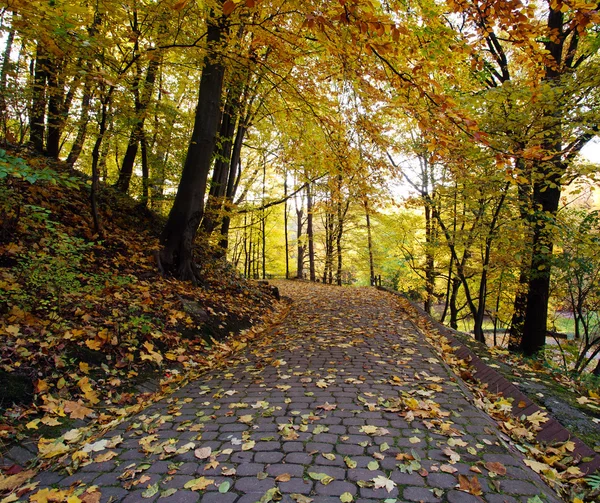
(84, 318)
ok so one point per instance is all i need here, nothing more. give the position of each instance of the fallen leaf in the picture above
(12, 482)
(203, 452)
(383, 482)
(495, 467)
(198, 484)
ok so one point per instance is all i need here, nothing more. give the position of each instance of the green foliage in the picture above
(16, 167)
(593, 481)
(51, 270)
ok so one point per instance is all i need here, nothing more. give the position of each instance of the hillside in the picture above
(86, 318)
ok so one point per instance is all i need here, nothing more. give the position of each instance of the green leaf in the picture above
(346, 498)
(373, 465)
(224, 487)
(150, 491)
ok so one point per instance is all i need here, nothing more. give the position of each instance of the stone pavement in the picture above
(343, 401)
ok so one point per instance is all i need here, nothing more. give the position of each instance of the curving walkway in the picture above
(343, 401)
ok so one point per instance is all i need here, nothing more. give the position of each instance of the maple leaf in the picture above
(471, 485)
(383, 482)
(77, 410)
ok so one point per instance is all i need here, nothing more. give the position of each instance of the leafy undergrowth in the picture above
(552, 461)
(84, 319)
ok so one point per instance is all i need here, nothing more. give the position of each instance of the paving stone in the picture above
(441, 480)
(218, 498)
(420, 494)
(296, 485)
(109, 494)
(253, 485)
(520, 487)
(461, 497)
(249, 469)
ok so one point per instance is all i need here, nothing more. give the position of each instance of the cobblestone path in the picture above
(345, 401)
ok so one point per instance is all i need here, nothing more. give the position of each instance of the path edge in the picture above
(552, 430)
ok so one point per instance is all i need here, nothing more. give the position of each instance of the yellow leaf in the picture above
(93, 345)
(536, 466)
(50, 421)
(198, 484)
(49, 448)
(33, 425)
(13, 481)
(84, 367)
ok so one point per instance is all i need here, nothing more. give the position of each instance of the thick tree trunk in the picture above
(546, 194)
(180, 231)
(55, 93)
(37, 115)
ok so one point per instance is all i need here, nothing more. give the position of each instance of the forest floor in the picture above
(89, 330)
(344, 399)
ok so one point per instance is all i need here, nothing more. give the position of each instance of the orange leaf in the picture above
(76, 410)
(228, 7)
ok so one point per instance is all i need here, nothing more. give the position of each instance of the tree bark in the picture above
(180, 231)
(37, 115)
(3, 80)
(369, 242)
(142, 100)
(310, 233)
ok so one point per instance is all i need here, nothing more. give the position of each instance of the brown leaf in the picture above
(495, 467)
(471, 486)
(284, 477)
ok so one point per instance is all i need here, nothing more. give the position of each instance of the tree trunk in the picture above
(546, 194)
(142, 100)
(285, 227)
(310, 233)
(180, 231)
(3, 79)
(370, 243)
(429, 260)
(456, 282)
(37, 115)
(145, 170)
(300, 261)
(105, 101)
(55, 93)
(77, 146)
